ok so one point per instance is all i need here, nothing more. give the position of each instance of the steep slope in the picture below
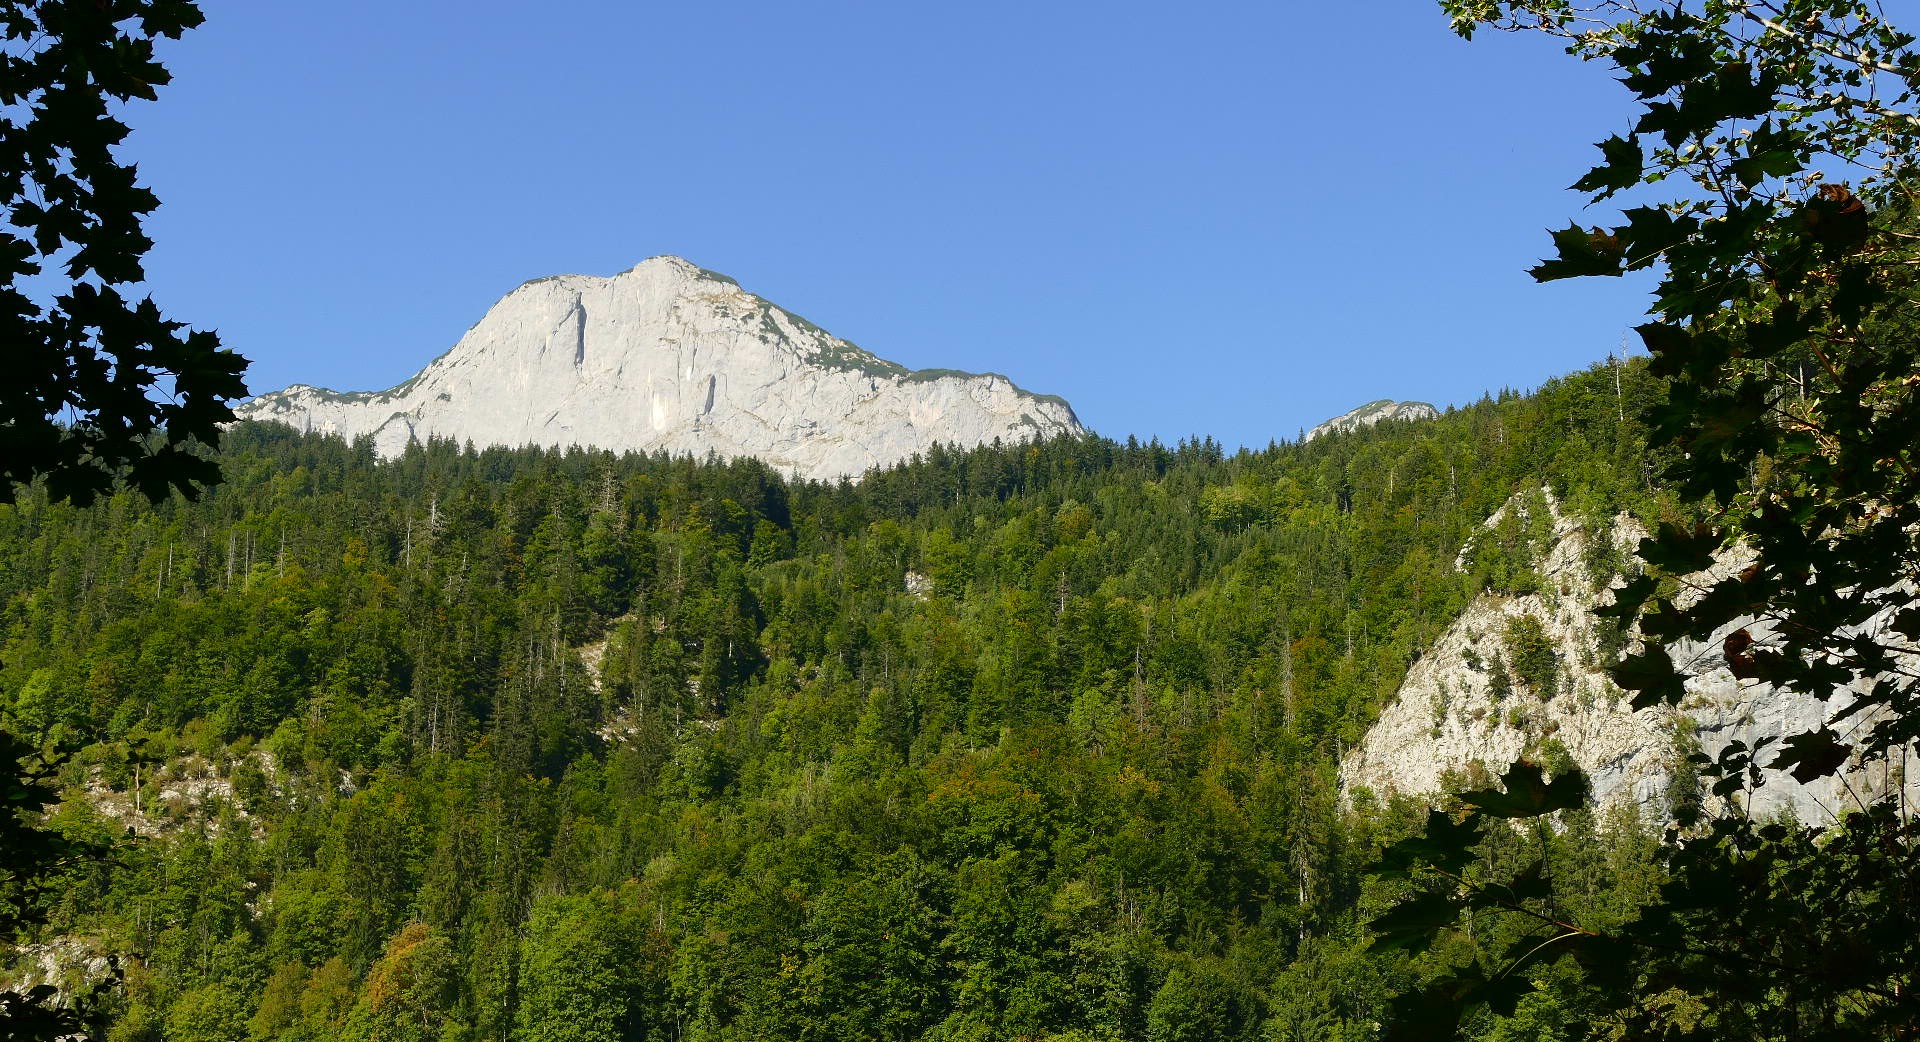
(670, 356)
(1466, 707)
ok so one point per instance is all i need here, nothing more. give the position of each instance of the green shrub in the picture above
(1531, 654)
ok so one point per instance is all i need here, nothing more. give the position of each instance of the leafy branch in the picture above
(1784, 324)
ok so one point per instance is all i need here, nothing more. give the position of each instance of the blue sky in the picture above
(1211, 218)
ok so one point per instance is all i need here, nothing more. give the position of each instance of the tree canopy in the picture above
(1772, 165)
(1020, 741)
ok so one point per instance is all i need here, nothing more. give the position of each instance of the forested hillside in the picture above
(1021, 742)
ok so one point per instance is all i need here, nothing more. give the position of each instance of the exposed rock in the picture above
(188, 792)
(593, 654)
(1373, 412)
(67, 963)
(1447, 724)
(670, 357)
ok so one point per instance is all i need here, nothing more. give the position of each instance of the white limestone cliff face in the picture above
(1446, 724)
(667, 356)
(1371, 413)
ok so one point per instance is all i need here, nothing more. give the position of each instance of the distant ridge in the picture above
(1373, 412)
(670, 356)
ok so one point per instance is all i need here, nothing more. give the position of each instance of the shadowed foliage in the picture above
(101, 387)
(1787, 136)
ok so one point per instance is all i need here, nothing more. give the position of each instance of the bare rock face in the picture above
(1371, 413)
(1464, 712)
(668, 356)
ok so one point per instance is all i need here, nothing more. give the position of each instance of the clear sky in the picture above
(1233, 219)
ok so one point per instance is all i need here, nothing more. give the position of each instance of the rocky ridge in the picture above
(1449, 724)
(1371, 413)
(669, 356)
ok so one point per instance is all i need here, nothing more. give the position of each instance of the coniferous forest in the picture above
(1033, 741)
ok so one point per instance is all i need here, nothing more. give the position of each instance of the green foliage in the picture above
(40, 861)
(577, 972)
(102, 390)
(1531, 655)
(1196, 1004)
(1784, 322)
(209, 1013)
(1499, 678)
(1466, 870)
(1505, 556)
(408, 991)
(1784, 318)
(1231, 507)
(536, 744)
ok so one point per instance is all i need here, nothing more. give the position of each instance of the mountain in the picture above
(1373, 412)
(669, 356)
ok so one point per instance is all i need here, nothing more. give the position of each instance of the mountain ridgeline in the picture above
(671, 356)
(1371, 413)
(1022, 741)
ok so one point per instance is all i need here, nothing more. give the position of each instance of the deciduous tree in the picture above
(1772, 167)
(101, 387)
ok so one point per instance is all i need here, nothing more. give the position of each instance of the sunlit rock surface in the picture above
(1371, 413)
(668, 356)
(1446, 726)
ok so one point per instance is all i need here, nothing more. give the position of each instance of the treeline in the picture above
(1026, 741)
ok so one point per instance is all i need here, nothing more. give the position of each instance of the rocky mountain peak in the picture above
(670, 356)
(1371, 413)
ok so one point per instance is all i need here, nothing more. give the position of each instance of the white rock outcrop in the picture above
(1371, 413)
(1446, 724)
(69, 964)
(668, 356)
